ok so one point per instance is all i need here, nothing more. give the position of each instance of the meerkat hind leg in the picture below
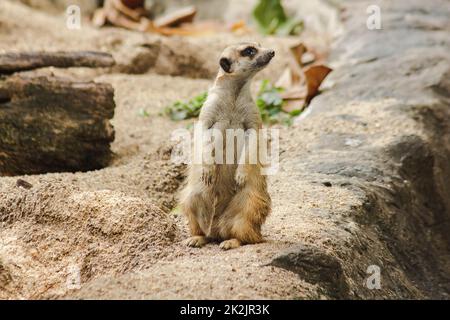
(241, 221)
(193, 206)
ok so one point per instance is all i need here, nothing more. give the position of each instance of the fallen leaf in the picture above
(294, 99)
(298, 51)
(131, 14)
(314, 77)
(133, 4)
(238, 26)
(99, 18)
(308, 58)
(189, 29)
(294, 93)
(296, 74)
(119, 14)
(293, 105)
(174, 19)
(133, 9)
(285, 80)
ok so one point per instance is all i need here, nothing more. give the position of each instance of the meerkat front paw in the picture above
(240, 178)
(230, 244)
(207, 176)
(196, 241)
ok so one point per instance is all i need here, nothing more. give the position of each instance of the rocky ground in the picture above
(362, 181)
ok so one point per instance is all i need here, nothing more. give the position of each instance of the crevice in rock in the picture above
(315, 266)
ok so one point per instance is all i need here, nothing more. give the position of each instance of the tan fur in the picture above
(229, 202)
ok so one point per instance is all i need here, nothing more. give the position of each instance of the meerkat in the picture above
(228, 203)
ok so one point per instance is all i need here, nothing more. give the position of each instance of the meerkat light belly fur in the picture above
(222, 201)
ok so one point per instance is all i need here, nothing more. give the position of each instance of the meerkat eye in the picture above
(249, 52)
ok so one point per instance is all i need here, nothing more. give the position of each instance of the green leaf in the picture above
(270, 105)
(270, 18)
(268, 100)
(291, 26)
(295, 113)
(143, 113)
(269, 15)
(184, 110)
(177, 115)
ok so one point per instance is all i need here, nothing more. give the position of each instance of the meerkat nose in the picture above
(272, 53)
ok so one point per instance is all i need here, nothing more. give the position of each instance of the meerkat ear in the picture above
(225, 64)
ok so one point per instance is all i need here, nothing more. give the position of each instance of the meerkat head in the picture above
(244, 59)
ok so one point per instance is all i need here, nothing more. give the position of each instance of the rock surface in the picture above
(363, 181)
(52, 124)
(390, 105)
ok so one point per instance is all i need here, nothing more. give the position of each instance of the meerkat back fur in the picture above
(229, 202)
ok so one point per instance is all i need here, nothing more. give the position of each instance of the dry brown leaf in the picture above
(174, 19)
(294, 98)
(99, 18)
(297, 97)
(293, 105)
(294, 94)
(297, 51)
(300, 85)
(133, 9)
(190, 29)
(308, 58)
(294, 70)
(128, 14)
(120, 20)
(314, 77)
(285, 80)
(134, 4)
(239, 27)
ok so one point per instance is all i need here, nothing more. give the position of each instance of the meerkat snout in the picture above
(245, 59)
(265, 58)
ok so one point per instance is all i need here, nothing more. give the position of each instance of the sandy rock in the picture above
(60, 6)
(396, 95)
(316, 267)
(5, 279)
(63, 227)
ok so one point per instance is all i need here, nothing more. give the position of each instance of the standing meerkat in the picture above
(229, 202)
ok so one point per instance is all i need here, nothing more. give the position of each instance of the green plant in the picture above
(270, 104)
(186, 110)
(143, 113)
(271, 19)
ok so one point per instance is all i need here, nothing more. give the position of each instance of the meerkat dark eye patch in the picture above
(225, 64)
(249, 52)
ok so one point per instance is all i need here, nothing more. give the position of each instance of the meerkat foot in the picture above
(196, 241)
(230, 244)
